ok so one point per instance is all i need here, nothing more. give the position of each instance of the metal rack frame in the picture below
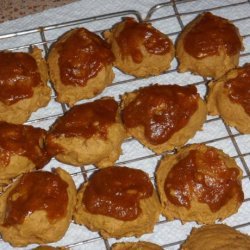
(149, 17)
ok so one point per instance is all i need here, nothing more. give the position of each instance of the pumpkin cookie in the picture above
(118, 202)
(209, 46)
(163, 117)
(37, 208)
(199, 183)
(141, 245)
(23, 82)
(22, 148)
(49, 248)
(80, 65)
(230, 95)
(211, 237)
(90, 133)
(139, 48)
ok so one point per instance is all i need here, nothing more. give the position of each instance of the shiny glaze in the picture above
(116, 192)
(134, 35)
(22, 140)
(202, 175)
(84, 120)
(37, 191)
(209, 35)
(239, 88)
(161, 110)
(81, 56)
(18, 75)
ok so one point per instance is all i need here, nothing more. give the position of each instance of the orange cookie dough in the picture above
(229, 97)
(208, 46)
(22, 148)
(37, 208)
(141, 245)
(80, 65)
(163, 117)
(199, 183)
(90, 133)
(139, 48)
(118, 202)
(212, 237)
(23, 82)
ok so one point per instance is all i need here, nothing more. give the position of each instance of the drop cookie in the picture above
(199, 183)
(37, 208)
(229, 97)
(23, 82)
(22, 149)
(163, 117)
(89, 133)
(118, 202)
(80, 65)
(209, 46)
(139, 48)
(218, 236)
(140, 245)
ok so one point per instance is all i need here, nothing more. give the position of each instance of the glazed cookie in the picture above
(90, 133)
(118, 202)
(209, 46)
(23, 81)
(163, 117)
(141, 245)
(229, 95)
(80, 65)
(22, 148)
(211, 237)
(139, 48)
(49, 248)
(37, 208)
(199, 183)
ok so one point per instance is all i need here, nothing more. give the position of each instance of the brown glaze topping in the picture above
(37, 191)
(202, 175)
(87, 119)
(22, 140)
(209, 34)
(18, 75)
(84, 120)
(161, 110)
(116, 192)
(81, 56)
(135, 34)
(239, 88)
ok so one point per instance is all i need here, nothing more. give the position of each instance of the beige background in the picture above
(12, 9)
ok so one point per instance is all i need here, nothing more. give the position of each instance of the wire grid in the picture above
(168, 234)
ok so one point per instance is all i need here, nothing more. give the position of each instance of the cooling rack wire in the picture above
(170, 17)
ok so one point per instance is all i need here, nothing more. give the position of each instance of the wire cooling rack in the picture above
(170, 18)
